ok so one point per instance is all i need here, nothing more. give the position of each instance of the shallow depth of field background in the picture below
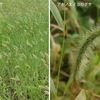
(76, 19)
(24, 50)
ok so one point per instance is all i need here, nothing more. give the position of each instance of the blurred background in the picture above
(78, 16)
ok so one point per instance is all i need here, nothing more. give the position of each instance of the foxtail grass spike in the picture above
(88, 41)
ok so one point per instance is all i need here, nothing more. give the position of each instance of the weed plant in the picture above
(24, 50)
(75, 50)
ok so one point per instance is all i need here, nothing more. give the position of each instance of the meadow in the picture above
(24, 50)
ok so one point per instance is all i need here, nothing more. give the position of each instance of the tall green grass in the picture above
(24, 50)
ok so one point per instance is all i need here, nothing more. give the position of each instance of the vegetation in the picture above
(23, 50)
(75, 49)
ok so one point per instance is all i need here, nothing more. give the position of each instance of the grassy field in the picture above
(24, 50)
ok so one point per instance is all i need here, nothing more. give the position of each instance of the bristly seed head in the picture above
(85, 50)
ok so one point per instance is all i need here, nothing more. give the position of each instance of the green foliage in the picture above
(56, 14)
(23, 50)
(52, 88)
(77, 45)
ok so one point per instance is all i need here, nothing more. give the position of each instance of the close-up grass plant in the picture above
(88, 42)
(24, 50)
(75, 49)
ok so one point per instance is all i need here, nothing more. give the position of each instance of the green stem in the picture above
(60, 62)
(62, 52)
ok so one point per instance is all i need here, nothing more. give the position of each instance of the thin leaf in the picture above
(74, 13)
(56, 14)
(81, 96)
(52, 88)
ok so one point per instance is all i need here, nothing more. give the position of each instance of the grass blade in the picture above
(81, 96)
(52, 88)
(56, 14)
